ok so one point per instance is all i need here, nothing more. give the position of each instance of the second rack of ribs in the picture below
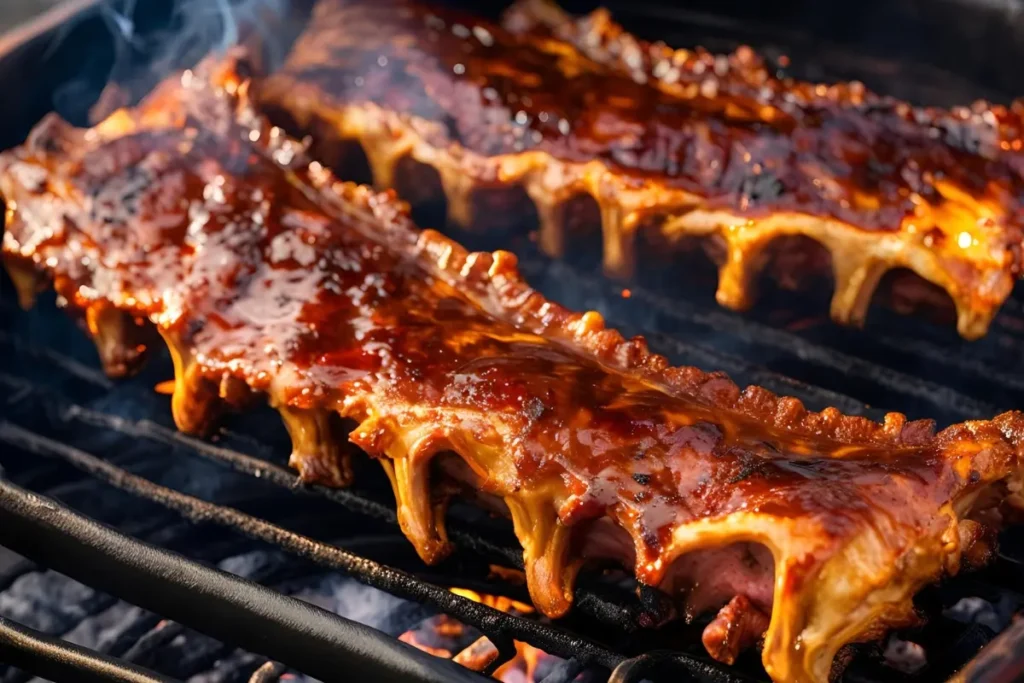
(686, 144)
(267, 277)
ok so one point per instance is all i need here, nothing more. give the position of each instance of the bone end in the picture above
(122, 344)
(855, 285)
(28, 281)
(618, 230)
(550, 577)
(316, 447)
(551, 217)
(735, 283)
(736, 627)
(420, 519)
(195, 403)
(972, 323)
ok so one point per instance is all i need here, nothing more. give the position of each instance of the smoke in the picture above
(364, 604)
(136, 43)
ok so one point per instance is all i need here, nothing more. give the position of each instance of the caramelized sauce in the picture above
(679, 142)
(215, 242)
(736, 139)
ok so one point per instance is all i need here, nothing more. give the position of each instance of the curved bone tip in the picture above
(737, 626)
(733, 295)
(971, 323)
(617, 267)
(316, 450)
(27, 280)
(193, 412)
(194, 403)
(118, 340)
(333, 471)
(550, 588)
(432, 549)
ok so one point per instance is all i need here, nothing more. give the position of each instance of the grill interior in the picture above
(103, 448)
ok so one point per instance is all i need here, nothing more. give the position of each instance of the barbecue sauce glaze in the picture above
(682, 142)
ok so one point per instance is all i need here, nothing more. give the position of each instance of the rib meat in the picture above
(682, 143)
(267, 277)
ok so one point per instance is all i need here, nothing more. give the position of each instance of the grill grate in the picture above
(50, 409)
(853, 366)
(216, 602)
(501, 628)
(622, 614)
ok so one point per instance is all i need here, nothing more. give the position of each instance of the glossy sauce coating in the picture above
(264, 273)
(214, 241)
(737, 138)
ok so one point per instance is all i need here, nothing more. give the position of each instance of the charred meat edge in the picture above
(967, 246)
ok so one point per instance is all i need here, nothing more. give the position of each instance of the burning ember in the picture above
(445, 637)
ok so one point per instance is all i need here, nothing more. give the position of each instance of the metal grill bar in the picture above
(943, 397)
(153, 639)
(961, 361)
(96, 608)
(208, 600)
(58, 360)
(999, 662)
(60, 661)
(498, 626)
(623, 616)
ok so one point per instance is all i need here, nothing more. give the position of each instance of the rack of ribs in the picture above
(267, 277)
(681, 145)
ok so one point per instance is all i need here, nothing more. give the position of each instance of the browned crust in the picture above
(969, 246)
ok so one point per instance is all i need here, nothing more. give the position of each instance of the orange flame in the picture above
(522, 667)
(498, 602)
(166, 387)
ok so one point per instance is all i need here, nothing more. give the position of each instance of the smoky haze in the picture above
(140, 42)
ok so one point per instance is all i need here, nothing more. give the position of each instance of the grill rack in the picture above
(501, 628)
(53, 404)
(625, 616)
(996, 664)
(53, 535)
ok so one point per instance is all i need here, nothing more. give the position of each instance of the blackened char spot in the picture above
(876, 171)
(745, 471)
(965, 136)
(749, 464)
(761, 187)
(708, 436)
(193, 326)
